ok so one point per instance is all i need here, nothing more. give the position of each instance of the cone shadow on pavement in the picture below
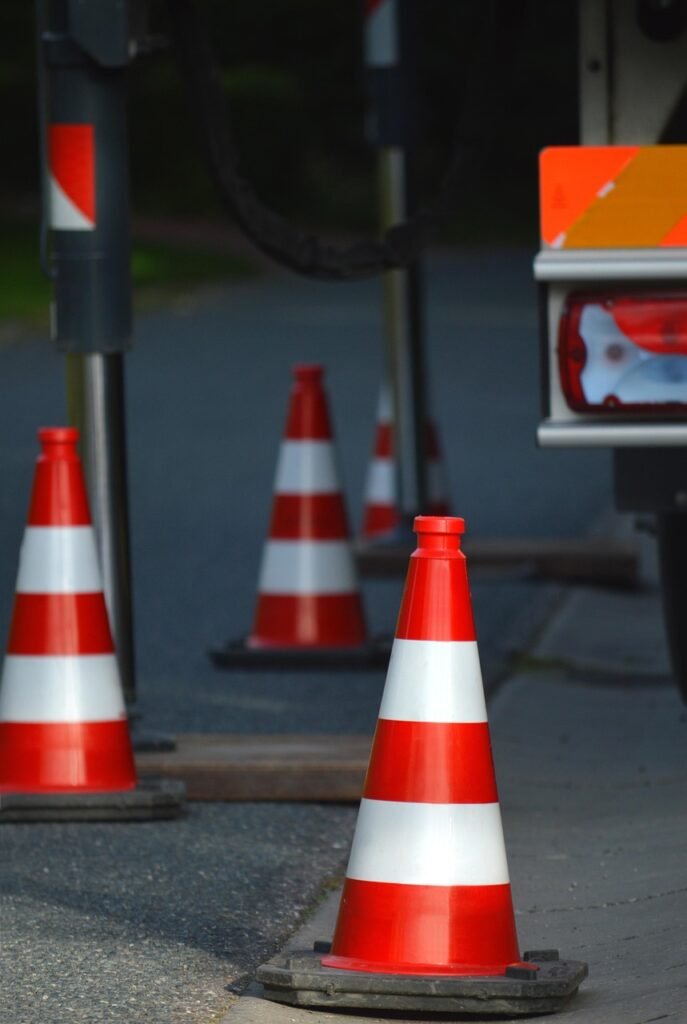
(309, 609)
(426, 917)
(65, 751)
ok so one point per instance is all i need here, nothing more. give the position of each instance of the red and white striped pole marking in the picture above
(427, 889)
(308, 591)
(71, 171)
(380, 513)
(63, 725)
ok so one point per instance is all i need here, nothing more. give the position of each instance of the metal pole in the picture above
(404, 351)
(391, 83)
(95, 401)
(84, 51)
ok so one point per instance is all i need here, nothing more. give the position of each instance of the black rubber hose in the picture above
(290, 246)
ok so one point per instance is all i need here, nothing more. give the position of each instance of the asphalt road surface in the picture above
(153, 922)
(207, 384)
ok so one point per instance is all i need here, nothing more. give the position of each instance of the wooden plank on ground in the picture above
(286, 767)
(597, 560)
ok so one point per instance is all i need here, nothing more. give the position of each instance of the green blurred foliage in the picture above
(293, 75)
(158, 271)
(19, 172)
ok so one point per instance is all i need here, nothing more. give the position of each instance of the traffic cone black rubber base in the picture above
(151, 799)
(374, 655)
(299, 979)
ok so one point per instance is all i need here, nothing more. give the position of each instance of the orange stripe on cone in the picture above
(311, 516)
(433, 605)
(308, 620)
(423, 929)
(384, 441)
(379, 519)
(427, 889)
(59, 495)
(60, 624)
(44, 757)
(308, 416)
(443, 762)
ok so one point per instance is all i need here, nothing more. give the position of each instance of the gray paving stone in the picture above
(593, 784)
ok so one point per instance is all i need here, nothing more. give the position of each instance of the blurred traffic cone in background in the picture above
(63, 727)
(308, 591)
(426, 920)
(438, 503)
(427, 888)
(309, 608)
(380, 514)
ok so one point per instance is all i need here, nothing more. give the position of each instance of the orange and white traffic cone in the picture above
(64, 739)
(380, 513)
(427, 888)
(438, 502)
(427, 899)
(309, 608)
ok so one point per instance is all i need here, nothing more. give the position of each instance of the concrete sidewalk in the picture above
(593, 783)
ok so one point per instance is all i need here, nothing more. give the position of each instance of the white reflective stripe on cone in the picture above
(307, 567)
(58, 560)
(434, 681)
(380, 486)
(306, 467)
(428, 844)
(61, 688)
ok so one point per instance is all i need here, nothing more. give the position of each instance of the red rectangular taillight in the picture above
(621, 353)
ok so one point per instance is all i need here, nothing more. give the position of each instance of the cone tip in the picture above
(308, 372)
(58, 435)
(439, 524)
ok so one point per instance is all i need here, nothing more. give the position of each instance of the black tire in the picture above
(672, 554)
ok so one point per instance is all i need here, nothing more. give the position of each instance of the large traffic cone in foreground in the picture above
(427, 889)
(64, 738)
(381, 517)
(309, 609)
(426, 906)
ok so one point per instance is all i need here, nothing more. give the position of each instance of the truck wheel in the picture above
(672, 555)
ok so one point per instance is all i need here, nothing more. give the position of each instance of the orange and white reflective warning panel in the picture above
(613, 197)
(71, 158)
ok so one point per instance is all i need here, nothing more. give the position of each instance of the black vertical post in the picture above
(84, 50)
(391, 78)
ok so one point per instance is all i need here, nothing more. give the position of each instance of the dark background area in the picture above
(293, 75)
